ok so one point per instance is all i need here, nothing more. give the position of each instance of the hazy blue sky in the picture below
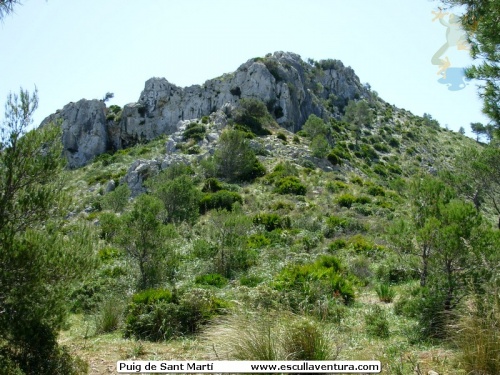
(73, 49)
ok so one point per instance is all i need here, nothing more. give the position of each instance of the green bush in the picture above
(381, 147)
(221, 199)
(376, 190)
(308, 283)
(272, 221)
(211, 185)
(213, 279)
(204, 249)
(257, 241)
(361, 245)
(380, 170)
(253, 114)
(290, 185)
(194, 131)
(335, 224)
(319, 146)
(282, 170)
(362, 199)
(335, 186)
(338, 244)
(376, 323)
(346, 200)
(169, 316)
(150, 296)
(395, 169)
(251, 281)
(116, 200)
(408, 304)
(334, 158)
(393, 142)
(109, 254)
(281, 136)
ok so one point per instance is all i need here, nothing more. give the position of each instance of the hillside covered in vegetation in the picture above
(307, 221)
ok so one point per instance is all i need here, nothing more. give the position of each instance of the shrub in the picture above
(257, 241)
(272, 221)
(334, 158)
(290, 185)
(213, 279)
(265, 336)
(376, 190)
(221, 199)
(395, 169)
(194, 131)
(381, 147)
(305, 284)
(346, 200)
(361, 245)
(282, 170)
(338, 244)
(253, 114)
(116, 200)
(109, 254)
(385, 293)
(393, 142)
(376, 323)
(281, 136)
(380, 170)
(211, 185)
(204, 249)
(362, 199)
(335, 224)
(251, 281)
(335, 186)
(158, 319)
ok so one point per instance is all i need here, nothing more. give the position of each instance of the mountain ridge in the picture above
(291, 88)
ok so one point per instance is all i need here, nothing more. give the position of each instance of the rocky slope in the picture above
(291, 88)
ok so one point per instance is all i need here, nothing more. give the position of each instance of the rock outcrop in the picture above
(85, 130)
(291, 89)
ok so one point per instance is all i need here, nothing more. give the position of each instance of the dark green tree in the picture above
(358, 114)
(143, 236)
(7, 7)
(315, 126)
(38, 264)
(478, 129)
(481, 22)
(179, 195)
(234, 159)
(476, 177)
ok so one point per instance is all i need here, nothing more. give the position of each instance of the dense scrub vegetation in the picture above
(378, 242)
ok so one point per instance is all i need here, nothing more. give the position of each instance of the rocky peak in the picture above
(291, 88)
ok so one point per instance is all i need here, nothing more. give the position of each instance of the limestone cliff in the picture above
(291, 88)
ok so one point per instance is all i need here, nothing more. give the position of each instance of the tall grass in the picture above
(270, 336)
(385, 293)
(477, 336)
